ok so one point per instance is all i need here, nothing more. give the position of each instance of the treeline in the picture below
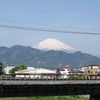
(16, 68)
(12, 71)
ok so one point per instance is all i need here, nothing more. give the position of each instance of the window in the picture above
(95, 72)
(88, 71)
(62, 70)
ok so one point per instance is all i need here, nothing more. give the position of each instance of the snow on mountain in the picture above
(53, 44)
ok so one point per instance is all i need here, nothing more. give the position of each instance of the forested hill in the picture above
(48, 59)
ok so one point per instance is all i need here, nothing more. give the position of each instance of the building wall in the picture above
(91, 72)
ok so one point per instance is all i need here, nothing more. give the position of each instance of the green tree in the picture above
(1, 65)
(16, 68)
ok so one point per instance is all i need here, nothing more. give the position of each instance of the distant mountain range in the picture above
(48, 59)
(98, 56)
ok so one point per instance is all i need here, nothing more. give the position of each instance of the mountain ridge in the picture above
(48, 59)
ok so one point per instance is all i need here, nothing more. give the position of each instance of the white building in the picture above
(63, 71)
(38, 71)
(7, 69)
(90, 67)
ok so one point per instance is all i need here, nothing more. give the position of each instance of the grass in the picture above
(47, 98)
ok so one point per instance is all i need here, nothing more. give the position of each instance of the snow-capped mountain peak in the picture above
(53, 44)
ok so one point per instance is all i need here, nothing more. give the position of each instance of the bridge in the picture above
(12, 86)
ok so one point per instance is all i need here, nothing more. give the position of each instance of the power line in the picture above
(47, 30)
(47, 25)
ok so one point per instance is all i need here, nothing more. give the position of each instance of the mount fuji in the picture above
(53, 44)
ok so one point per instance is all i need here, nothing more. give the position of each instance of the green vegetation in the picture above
(19, 67)
(47, 98)
(1, 65)
(75, 77)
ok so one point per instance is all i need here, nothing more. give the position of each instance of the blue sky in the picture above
(69, 15)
